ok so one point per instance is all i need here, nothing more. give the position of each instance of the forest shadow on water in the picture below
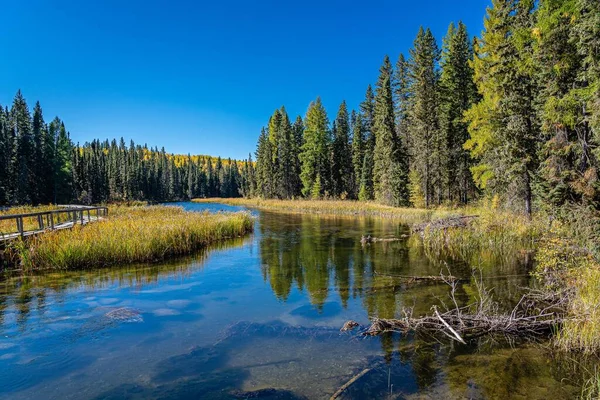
(260, 317)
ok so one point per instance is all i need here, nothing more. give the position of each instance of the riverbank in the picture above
(129, 235)
(341, 208)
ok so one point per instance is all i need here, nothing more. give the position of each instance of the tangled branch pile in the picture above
(537, 313)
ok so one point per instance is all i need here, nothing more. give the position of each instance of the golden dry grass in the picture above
(342, 207)
(130, 235)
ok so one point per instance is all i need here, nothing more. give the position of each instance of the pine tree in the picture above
(286, 157)
(39, 163)
(341, 166)
(23, 167)
(457, 94)
(389, 173)
(367, 112)
(265, 170)
(314, 152)
(425, 132)
(403, 104)
(358, 151)
(298, 133)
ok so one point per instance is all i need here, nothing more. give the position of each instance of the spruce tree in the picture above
(265, 170)
(22, 168)
(341, 166)
(314, 152)
(286, 158)
(457, 94)
(389, 173)
(367, 111)
(358, 151)
(298, 133)
(425, 132)
(403, 104)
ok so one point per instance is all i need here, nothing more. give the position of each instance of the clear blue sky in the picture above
(203, 76)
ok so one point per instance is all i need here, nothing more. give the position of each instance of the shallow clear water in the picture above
(262, 314)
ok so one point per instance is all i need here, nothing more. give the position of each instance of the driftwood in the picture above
(346, 385)
(370, 239)
(423, 278)
(444, 223)
(537, 313)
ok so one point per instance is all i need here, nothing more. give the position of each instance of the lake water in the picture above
(260, 317)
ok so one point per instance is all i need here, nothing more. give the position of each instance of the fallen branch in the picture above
(349, 383)
(415, 278)
(369, 239)
(456, 335)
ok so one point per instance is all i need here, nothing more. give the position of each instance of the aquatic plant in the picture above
(132, 234)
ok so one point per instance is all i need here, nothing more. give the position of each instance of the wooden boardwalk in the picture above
(31, 224)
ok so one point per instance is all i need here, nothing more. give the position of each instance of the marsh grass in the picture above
(341, 208)
(591, 387)
(495, 235)
(131, 235)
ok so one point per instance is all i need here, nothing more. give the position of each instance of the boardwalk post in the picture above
(41, 222)
(52, 221)
(81, 216)
(20, 225)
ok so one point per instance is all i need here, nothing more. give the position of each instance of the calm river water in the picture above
(260, 317)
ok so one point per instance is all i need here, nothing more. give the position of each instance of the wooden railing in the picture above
(66, 217)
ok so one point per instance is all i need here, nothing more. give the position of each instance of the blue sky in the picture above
(202, 77)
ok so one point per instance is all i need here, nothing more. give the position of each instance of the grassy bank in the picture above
(130, 235)
(341, 207)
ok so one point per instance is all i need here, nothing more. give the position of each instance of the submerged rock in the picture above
(124, 314)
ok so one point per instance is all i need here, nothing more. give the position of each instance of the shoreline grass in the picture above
(350, 208)
(130, 235)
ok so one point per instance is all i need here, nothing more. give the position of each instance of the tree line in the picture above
(40, 164)
(514, 112)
